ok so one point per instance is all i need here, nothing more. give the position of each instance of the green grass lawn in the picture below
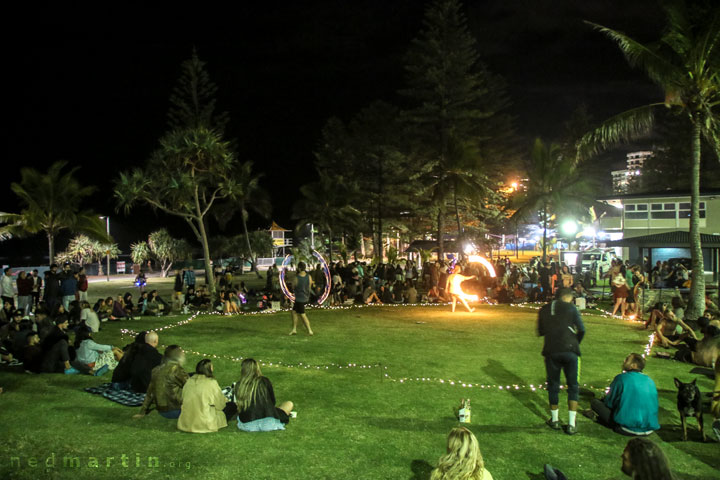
(353, 422)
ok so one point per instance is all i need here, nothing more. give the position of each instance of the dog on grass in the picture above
(689, 404)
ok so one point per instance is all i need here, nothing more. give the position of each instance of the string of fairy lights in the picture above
(385, 373)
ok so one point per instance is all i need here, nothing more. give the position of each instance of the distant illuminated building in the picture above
(622, 179)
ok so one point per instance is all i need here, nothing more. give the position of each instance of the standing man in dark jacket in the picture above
(36, 288)
(52, 288)
(560, 323)
(68, 286)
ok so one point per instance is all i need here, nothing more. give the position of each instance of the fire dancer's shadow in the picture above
(502, 376)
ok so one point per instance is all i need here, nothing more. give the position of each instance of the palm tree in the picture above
(252, 195)
(685, 63)
(326, 204)
(555, 187)
(51, 203)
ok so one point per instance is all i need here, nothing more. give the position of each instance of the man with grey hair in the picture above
(145, 359)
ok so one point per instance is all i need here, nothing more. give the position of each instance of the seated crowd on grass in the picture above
(37, 335)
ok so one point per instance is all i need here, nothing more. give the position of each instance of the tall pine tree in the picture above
(192, 101)
(457, 120)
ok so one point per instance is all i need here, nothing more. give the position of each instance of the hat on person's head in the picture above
(17, 313)
(54, 265)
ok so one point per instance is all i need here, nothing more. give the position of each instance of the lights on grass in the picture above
(386, 374)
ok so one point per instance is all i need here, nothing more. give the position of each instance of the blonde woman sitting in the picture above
(255, 400)
(463, 460)
(203, 403)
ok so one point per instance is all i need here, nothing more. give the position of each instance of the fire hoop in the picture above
(326, 272)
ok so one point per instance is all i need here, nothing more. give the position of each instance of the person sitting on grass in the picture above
(232, 304)
(155, 305)
(166, 384)
(369, 294)
(99, 358)
(670, 330)
(701, 352)
(641, 460)
(410, 294)
(203, 403)
(220, 304)
(104, 309)
(122, 373)
(631, 405)
(463, 459)
(89, 318)
(255, 399)
(120, 311)
(57, 353)
(644, 460)
(7, 312)
(145, 358)
(33, 354)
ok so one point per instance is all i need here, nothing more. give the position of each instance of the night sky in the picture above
(95, 92)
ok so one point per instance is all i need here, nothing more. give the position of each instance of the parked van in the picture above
(603, 258)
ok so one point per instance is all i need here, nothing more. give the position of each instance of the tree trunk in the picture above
(51, 248)
(544, 256)
(381, 249)
(362, 245)
(330, 245)
(696, 306)
(441, 230)
(209, 274)
(166, 268)
(457, 219)
(253, 264)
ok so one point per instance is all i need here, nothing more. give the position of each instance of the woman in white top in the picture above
(100, 358)
(463, 460)
(90, 317)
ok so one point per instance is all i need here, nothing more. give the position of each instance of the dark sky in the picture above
(92, 88)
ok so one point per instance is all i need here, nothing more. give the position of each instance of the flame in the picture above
(484, 262)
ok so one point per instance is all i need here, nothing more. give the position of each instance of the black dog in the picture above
(689, 404)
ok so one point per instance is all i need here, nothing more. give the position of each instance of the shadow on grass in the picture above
(503, 376)
(440, 425)
(421, 470)
(535, 476)
(694, 447)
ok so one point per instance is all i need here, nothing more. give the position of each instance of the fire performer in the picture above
(453, 286)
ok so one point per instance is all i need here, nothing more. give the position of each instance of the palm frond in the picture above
(657, 67)
(623, 127)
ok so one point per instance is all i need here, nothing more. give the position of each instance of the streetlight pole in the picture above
(107, 225)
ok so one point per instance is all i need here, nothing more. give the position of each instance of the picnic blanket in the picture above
(132, 399)
(123, 397)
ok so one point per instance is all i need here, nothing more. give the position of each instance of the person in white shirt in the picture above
(90, 317)
(8, 291)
